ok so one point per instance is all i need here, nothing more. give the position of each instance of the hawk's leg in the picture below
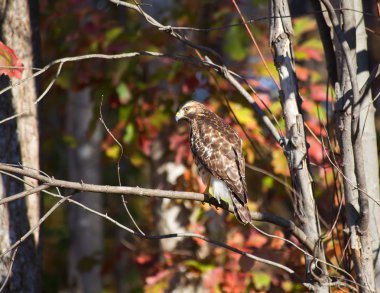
(207, 189)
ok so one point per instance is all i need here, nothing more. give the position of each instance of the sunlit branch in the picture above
(146, 192)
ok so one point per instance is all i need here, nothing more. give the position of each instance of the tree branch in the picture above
(34, 174)
(52, 182)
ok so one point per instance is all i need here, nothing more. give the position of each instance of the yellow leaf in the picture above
(244, 115)
(137, 160)
(279, 163)
(113, 152)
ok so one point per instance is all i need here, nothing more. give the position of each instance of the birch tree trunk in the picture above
(19, 143)
(355, 133)
(368, 136)
(281, 33)
(86, 229)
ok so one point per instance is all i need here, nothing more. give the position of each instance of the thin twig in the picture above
(124, 200)
(9, 270)
(27, 234)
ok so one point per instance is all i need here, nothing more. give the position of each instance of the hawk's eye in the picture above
(186, 109)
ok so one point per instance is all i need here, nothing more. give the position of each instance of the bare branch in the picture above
(52, 182)
(26, 235)
(9, 269)
(23, 194)
(138, 234)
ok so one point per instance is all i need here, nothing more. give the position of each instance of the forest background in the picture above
(106, 117)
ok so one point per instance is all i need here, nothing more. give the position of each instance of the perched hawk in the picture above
(217, 151)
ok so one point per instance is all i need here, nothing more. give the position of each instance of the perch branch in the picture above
(84, 187)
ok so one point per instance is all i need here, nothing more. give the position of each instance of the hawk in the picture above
(217, 152)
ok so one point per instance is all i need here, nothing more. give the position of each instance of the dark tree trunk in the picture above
(19, 143)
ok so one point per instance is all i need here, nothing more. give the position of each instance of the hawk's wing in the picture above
(218, 148)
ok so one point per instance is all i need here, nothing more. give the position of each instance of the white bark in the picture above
(367, 126)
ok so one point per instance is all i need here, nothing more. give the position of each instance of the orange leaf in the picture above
(277, 243)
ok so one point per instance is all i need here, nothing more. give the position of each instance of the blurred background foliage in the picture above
(139, 99)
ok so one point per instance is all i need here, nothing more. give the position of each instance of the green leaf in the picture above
(267, 182)
(301, 55)
(125, 112)
(159, 118)
(261, 280)
(129, 133)
(313, 43)
(199, 266)
(236, 45)
(112, 35)
(124, 93)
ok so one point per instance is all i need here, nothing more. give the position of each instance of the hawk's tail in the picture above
(241, 211)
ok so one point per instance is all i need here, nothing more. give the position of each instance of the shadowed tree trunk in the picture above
(281, 33)
(354, 118)
(19, 143)
(86, 229)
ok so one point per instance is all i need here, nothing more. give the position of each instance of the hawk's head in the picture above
(190, 110)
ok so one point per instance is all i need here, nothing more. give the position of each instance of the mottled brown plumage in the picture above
(217, 151)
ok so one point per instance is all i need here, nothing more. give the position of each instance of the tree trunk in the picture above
(86, 229)
(281, 33)
(349, 129)
(20, 144)
(368, 130)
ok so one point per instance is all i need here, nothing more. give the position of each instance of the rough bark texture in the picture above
(20, 144)
(296, 150)
(349, 129)
(86, 229)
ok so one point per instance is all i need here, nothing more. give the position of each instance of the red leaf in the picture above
(234, 282)
(8, 59)
(256, 240)
(143, 258)
(302, 73)
(155, 279)
(212, 278)
(318, 93)
(312, 53)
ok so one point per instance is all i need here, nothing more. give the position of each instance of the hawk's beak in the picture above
(179, 115)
